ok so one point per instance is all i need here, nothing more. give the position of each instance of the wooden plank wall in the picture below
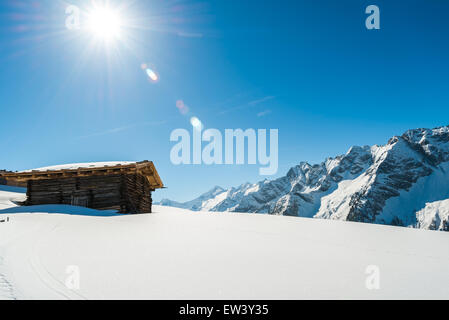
(128, 193)
(104, 191)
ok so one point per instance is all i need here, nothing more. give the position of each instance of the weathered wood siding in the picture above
(128, 193)
(137, 191)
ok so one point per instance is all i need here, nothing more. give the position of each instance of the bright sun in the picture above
(105, 23)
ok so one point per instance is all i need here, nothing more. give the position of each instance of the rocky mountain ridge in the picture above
(387, 184)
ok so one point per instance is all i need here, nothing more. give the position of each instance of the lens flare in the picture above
(152, 75)
(196, 123)
(182, 107)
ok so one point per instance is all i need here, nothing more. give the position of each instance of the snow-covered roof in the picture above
(87, 165)
(145, 168)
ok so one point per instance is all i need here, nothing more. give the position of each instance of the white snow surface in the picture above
(87, 165)
(179, 254)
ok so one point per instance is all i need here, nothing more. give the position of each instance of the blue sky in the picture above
(308, 68)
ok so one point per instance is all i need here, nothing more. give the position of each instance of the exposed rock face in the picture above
(380, 184)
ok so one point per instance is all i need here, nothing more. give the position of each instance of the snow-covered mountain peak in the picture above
(216, 190)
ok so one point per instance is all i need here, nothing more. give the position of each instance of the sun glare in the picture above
(105, 23)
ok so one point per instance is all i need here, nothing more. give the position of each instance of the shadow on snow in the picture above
(13, 189)
(60, 209)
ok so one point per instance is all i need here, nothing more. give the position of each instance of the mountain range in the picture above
(403, 183)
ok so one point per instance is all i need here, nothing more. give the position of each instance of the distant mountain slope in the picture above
(435, 216)
(195, 204)
(386, 184)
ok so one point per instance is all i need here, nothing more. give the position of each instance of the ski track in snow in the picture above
(51, 282)
(29, 246)
(6, 289)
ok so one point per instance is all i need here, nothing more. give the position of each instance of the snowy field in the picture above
(179, 254)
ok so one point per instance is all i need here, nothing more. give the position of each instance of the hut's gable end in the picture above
(137, 192)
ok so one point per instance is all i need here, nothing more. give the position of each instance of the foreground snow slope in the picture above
(179, 254)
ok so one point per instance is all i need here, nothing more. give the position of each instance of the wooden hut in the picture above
(3, 180)
(125, 187)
